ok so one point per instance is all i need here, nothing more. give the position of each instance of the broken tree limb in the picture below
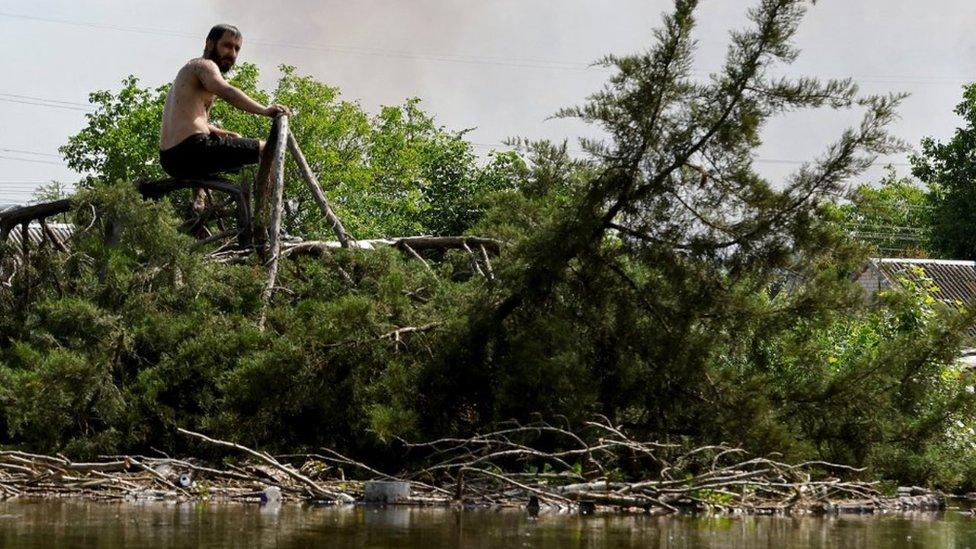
(277, 189)
(55, 241)
(217, 237)
(417, 256)
(25, 214)
(317, 193)
(156, 474)
(543, 495)
(315, 247)
(395, 336)
(474, 261)
(261, 456)
(277, 185)
(484, 257)
(264, 184)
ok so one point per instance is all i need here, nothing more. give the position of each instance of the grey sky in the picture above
(500, 66)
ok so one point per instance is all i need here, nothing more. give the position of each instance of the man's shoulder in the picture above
(200, 65)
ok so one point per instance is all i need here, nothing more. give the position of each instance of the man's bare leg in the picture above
(199, 199)
(200, 194)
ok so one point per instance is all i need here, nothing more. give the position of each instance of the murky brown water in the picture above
(130, 525)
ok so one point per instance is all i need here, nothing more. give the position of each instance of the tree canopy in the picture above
(894, 217)
(950, 172)
(394, 173)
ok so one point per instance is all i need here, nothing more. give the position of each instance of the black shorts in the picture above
(204, 154)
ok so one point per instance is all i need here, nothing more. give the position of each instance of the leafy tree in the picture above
(655, 291)
(48, 192)
(393, 174)
(949, 170)
(892, 217)
(121, 139)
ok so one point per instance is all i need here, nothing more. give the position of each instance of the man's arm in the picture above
(220, 132)
(211, 79)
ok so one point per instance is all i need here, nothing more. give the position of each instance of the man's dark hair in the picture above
(217, 32)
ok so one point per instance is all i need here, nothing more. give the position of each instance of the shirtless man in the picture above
(189, 146)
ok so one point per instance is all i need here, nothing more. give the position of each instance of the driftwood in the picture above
(560, 466)
(596, 466)
(310, 484)
(27, 475)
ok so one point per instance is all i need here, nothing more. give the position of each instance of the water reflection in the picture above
(153, 524)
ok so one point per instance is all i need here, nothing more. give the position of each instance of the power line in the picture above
(33, 160)
(493, 146)
(32, 184)
(19, 96)
(42, 104)
(502, 146)
(7, 186)
(20, 151)
(451, 58)
(355, 50)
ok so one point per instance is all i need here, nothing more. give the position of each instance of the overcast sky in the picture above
(500, 66)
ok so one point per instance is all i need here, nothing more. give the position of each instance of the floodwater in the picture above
(72, 524)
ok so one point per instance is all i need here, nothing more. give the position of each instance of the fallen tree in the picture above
(659, 280)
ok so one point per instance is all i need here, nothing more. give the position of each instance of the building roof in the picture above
(35, 234)
(955, 280)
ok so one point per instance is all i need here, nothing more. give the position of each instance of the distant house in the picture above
(955, 280)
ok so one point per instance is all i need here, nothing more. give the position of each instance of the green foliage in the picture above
(949, 171)
(115, 346)
(678, 292)
(868, 386)
(661, 282)
(392, 174)
(893, 217)
(121, 140)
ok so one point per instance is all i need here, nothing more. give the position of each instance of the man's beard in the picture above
(224, 65)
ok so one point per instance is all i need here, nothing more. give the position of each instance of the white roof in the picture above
(916, 261)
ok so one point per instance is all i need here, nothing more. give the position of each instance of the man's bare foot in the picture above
(199, 200)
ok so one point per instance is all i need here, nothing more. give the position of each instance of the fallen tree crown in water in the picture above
(659, 281)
